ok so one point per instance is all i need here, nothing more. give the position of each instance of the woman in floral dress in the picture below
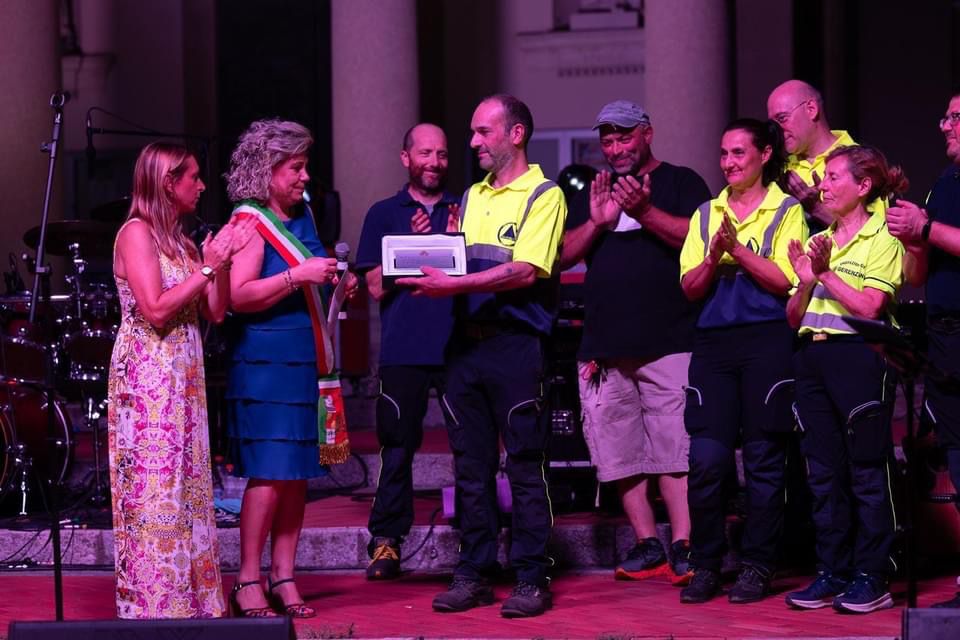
(165, 540)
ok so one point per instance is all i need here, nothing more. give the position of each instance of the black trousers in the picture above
(401, 407)
(942, 398)
(740, 391)
(942, 401)
(845, 401)
(495, 390)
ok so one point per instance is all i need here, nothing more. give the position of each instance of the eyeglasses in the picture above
(952, 118)
(783, 116)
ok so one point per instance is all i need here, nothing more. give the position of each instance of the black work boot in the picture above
(463, 594)
(753, 584)
(704, 586)
(385, 560)
(527, 600)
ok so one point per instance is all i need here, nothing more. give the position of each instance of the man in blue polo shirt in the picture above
(413, 335)
(931, 236)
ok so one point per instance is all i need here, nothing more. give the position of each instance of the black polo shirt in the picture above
(633, 304)
(413, 330)
(943, 280)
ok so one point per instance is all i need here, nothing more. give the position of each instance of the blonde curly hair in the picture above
(264, 145)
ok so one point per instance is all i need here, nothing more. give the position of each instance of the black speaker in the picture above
(279, 628)
(930, 624)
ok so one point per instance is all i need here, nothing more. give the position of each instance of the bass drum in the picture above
(23, 435)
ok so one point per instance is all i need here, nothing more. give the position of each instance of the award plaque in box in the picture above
(405, 254)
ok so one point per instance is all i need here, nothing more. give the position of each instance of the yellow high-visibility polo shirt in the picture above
(736, 298)
(518, 222)
(872, 258)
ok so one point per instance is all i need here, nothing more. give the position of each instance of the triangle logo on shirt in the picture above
(507, 235)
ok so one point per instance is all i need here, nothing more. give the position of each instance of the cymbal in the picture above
(95, 238)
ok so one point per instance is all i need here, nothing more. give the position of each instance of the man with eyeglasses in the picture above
(931, 236)
(798, 108)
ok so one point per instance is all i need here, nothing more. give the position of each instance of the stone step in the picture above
(574, 545)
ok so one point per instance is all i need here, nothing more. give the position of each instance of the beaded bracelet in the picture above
(289, 280)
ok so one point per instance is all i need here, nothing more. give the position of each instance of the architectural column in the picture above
(30, 68)
(688, 82)
(375, 100)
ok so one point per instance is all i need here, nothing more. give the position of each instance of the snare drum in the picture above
(23, 432)
(23, 349)
(89, 350)
(89, 345)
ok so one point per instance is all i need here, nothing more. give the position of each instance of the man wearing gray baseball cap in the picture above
(638, 330)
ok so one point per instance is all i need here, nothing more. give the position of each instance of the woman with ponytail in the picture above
(844, 389)
(734, 259)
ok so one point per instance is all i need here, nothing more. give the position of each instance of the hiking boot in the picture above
(527, 600)
(820, 593)
(752, 584)
(463, 594)
(865, 594)
(385, 561)
(704, 586)
(680, 563)
(646, 560)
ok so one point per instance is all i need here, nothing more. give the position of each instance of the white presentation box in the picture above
(404, 254)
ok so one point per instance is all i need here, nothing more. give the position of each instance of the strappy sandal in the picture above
(294, 610)
(253, 612)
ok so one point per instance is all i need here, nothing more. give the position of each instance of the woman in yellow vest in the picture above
(843, 390)
(735, 260)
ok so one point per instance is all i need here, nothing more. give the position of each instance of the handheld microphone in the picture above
(342, 251)
(91, 150)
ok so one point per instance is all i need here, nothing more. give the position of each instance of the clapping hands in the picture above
(232, 237)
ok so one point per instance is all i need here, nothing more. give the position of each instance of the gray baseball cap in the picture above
(623, 114)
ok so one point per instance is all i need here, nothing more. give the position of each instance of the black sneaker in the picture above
(865, 594)
(646, 560)
(704, 586)
(680, 562)
(527, 600)
(463, 594)
(953, 603)
(752, 584)
(820, 593)
(385, 561)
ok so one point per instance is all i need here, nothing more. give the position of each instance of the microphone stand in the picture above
(41, 291)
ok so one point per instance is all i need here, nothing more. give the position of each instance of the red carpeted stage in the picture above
(587, 605)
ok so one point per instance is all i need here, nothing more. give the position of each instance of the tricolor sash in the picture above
(332, 423)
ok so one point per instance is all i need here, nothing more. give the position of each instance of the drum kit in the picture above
(74, 334)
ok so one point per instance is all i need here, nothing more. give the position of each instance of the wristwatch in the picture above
(925, 232)
(207, 272)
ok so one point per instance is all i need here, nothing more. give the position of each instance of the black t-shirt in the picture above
(943, 281)
(633, 304)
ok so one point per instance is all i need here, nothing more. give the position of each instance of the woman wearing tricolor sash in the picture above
(844, 390)
(281, 349)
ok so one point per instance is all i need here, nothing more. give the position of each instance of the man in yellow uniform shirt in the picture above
(798, 108)
(513, 222)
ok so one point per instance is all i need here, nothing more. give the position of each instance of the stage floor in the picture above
(588, 604)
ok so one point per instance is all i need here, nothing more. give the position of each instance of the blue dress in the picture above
(272, 384)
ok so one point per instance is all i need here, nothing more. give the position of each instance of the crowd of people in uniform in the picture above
(710, 324)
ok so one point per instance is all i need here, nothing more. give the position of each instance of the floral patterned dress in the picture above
(165, 538)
